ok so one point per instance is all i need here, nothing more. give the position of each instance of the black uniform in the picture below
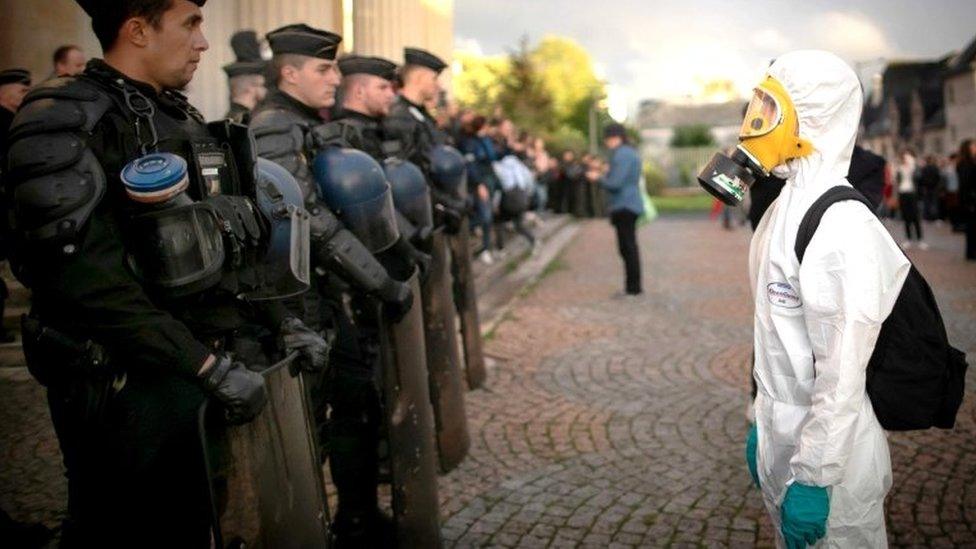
(126, 419)
(283, 129)
(6, 117)
(239, 113)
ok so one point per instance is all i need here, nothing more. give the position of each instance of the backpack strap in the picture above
(811, 220)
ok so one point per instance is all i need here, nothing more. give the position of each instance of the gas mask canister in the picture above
(770, 136)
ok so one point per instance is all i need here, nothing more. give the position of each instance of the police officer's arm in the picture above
(400, 126)
(851, 275)
(335, 248)
(72, 250)
(281, 142)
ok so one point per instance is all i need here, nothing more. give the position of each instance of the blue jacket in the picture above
(623, 180)
(480, 153)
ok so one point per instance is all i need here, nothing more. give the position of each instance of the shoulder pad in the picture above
(328, 135)
(53, 205)
(62, 104)
(278, 133)
(54, 179)
(338, 133)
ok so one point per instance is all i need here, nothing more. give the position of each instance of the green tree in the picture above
(479, 82)
(524, 96)
(548, 89)
(567, 70)
(694, 135)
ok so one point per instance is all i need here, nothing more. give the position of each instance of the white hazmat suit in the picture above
(816, 324)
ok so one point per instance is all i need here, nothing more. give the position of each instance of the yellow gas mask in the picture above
(770, 136)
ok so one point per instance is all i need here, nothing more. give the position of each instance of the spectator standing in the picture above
(929, 188)
(479, 151)
(951, 178)
(966, 170)
(541, 167)
(625, 203)
(908, 199)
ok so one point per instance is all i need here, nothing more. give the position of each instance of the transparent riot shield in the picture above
(266, 483)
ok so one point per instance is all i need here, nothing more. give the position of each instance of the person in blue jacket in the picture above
(624, 201)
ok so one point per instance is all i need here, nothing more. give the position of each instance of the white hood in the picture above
(827, 96)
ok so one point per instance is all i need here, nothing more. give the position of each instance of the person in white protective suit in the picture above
(821, 457)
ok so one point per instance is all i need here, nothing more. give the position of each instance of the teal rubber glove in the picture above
(804, 515)
(751, 442)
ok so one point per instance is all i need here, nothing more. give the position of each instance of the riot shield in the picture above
(444, 358)
(265, 477)
(467, 307)
(410, 428)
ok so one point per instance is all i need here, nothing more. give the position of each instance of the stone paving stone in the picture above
(620, 423)
(644, 401)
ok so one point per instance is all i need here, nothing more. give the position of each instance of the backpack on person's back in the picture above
(915, 379)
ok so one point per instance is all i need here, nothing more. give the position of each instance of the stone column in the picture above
(30, 31)
(384, 27)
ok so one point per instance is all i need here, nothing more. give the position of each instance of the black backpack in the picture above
(915, 379)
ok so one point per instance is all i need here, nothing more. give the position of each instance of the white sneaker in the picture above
(485, 257)
(906, 244)
(922, 245)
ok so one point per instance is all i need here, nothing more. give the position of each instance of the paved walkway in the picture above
(618, 423)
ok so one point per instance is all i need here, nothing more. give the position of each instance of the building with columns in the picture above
(31, 30)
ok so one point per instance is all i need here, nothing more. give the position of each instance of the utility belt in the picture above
(55, 357)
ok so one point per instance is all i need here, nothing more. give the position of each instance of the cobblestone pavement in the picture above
(622, 422)
(618, 423)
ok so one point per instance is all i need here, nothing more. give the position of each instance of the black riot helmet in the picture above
(354, 186)
(410, 194)
(448, 171)
(285, 265)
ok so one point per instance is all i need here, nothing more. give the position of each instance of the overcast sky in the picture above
(662, 48)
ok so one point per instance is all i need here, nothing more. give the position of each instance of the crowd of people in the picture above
(324, 220)
(935, 188)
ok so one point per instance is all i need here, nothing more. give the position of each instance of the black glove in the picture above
(422, 261)
(397, 299)
(294, 335)
(450, 218)
(423, 239)
(241, 391)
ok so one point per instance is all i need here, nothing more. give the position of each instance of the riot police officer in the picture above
(367, 93)
(245, 76)
(419, 140)
(307, 76)
(136, 275)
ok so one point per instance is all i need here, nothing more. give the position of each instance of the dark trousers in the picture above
(518, 225)
(908, 203)
(625, 221)
(971, 235)
(134, 462)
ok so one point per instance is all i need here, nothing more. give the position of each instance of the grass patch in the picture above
(557, 264)
(691, 203)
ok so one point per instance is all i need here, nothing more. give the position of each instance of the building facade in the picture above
(30, 31)
(928, 106)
